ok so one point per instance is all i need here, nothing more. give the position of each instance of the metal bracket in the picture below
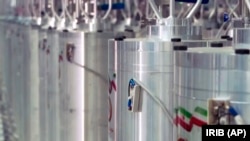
(145, 22)
(134, 97)
(44, 44)
(218, 112)
(70, 52)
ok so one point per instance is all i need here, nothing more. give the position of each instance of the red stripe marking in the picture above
(189, 126)
(110, 110)
(181, 139)
(111, 86)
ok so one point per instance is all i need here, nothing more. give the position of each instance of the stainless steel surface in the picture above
(168, 32)
(201, 74)
(241, 40)
(149, 61)
(43, 97)
(175, 28)
(33, 83)
(17, 103)
(53, 85)
(17, 92)
(83, 86)
(58, 92)
(145, 60)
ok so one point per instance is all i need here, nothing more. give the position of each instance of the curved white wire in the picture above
(124, 15)
(171, 8)
(128, 8)
(194, 9)
(53, 10)
(81, 9)
(147, 10)
(80, 6)
(213, 12)
(157, 100)
(248, 4)
(27, 8)
(232, 8)
(42, 3)
(32, 8)
(109, 10)
(65, 10)
(231, 12)
(137, 10)
(154, 8)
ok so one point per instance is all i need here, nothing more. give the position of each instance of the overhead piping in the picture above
(194, 9)
(154, 8)
(109, 10)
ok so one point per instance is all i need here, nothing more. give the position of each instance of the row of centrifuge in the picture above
(75, 85)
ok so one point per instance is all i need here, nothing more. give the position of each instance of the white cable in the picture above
(187, 11)
(53, 10)
(181, 12)
(147, 10)
(124, 15)
(154, 8)
(128, 7)
(220, 30)
(81, 9)
(171, 8)
(32, 8)
(27, 8)
(109, 10)
(238, 120)
(196, 6)
(66, 11)
(43, 5)
(212, 13)
(231, 8)
(231, 12)
(158, 101)
(137, 10)
(248, 4)
(63, 9)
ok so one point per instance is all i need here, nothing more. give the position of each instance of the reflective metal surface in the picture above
(52, 52)
(241, 40)
(143, 60)
(151, 62)
(43, 76)
(202, 74)
(17, 84)
(33, 83)
(83, 85)
(168, 32)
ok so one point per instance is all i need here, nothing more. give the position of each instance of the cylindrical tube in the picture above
(83, 81)
(53, 85)
(33, 85)
(203, 74)
(17, 86)
(43, 96)
(150, 62)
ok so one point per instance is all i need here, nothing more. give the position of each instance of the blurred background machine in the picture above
(119, 70)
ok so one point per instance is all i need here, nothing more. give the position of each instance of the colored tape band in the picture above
(115, 6)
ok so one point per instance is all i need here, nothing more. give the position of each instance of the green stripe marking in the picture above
(201, 111)
(187, 114)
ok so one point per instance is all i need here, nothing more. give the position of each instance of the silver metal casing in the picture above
(52, 52)
(17, 86)
(150, 62)
(43, 77)
(203, 74)
(241, 38)
(83, 83)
